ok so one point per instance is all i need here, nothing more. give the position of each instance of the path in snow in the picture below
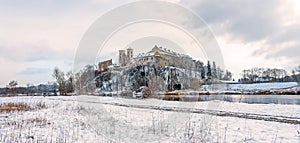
(254, 116)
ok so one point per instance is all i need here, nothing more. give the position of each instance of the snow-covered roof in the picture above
(145, 55)
(163, 51)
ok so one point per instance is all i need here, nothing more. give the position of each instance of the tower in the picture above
(130, 55)
(122, 58)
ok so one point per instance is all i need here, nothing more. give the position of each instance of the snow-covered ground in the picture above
(111, 119)
(59, 121)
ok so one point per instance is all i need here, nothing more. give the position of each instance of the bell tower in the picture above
(130, 55)
(122, 58)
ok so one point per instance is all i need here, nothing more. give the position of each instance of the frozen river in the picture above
(255, 99)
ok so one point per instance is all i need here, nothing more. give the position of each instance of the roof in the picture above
(163, 51)
(145, 54)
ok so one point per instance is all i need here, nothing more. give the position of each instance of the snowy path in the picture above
(266, 117)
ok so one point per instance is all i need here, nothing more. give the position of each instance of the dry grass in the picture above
(13, 107)
(40, 105)
(19, 107)
(22, 123)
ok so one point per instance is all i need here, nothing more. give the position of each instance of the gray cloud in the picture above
(251, 20)
(254, 21)
(289, 36)
(289, 52)
(286, 34)
(284, 44)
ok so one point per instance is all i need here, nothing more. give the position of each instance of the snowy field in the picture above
(111, 119)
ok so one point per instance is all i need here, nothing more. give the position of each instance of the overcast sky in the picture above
(36, 36)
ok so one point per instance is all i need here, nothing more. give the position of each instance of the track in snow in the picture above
(272, 118)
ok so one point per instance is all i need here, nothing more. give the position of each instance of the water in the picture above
(253, 99)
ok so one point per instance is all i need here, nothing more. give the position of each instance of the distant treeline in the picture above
(258, 75)
(42, 88)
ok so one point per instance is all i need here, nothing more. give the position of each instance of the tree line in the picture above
(82, 81)
(257, 75)
(210, 72)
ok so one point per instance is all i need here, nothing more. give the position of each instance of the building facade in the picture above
(125, 59)
(104, 65)
(130, 55)
(164, 57)
(157, 56)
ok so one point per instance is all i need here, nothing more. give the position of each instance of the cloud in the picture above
(286, 34)
(251, 20)
(43, 34)
(38, 51)
(285, 44)
(290, 52)
(271, 25)
(35, 71)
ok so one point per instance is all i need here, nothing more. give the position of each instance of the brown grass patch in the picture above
(13, 107)
(18, 107)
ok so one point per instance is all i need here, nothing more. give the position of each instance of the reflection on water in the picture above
(254, 99)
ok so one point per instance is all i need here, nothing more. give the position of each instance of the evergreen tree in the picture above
(209, 74)
(214, 70)
(298, 69)
(202, 71)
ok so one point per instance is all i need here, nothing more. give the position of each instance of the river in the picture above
(254, 99)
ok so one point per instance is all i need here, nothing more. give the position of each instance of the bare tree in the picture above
(156, 84)
(195, 83)
(220, 74)
(283, 74)
(295, 72)
(85, 79)
(70, 82)
(60, 79)
(246, 75)
(262, 74)
(12, 84)
(228, 75)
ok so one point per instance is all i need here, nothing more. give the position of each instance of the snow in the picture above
(58, 122)
(111, 119)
